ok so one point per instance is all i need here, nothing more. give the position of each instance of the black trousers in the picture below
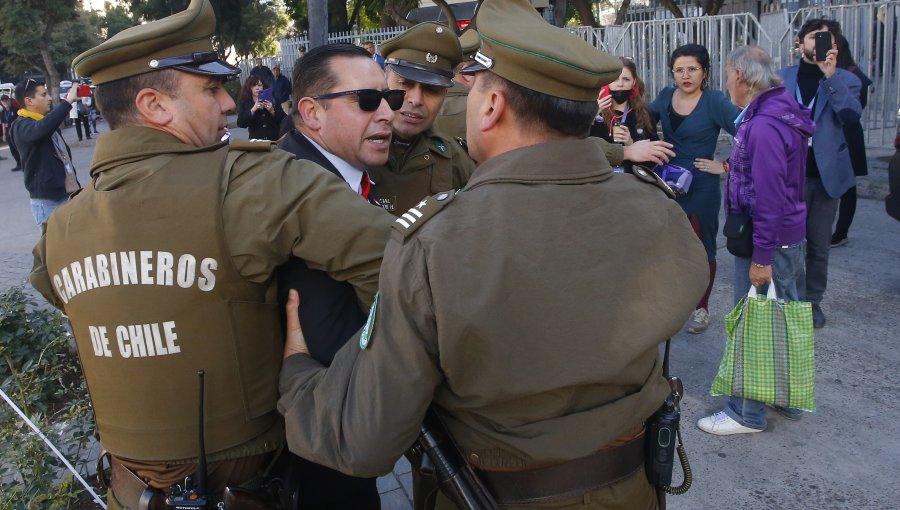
(82, 120)
(846, 211)
(321, 488)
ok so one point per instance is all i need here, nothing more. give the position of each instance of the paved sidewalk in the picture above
(842, 457)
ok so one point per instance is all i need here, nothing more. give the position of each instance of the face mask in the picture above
(620, 96)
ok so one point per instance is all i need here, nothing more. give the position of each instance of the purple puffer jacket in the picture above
(767, 169)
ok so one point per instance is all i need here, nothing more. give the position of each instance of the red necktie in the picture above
(365, 185)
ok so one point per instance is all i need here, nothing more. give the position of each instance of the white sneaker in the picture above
(698, 322)
(721, 424)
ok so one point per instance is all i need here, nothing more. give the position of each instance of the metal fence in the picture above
(649, 43)
(871, 29)
(290, 48)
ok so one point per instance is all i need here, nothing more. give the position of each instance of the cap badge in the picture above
(484, 60)
(154, 63)
(431, 58)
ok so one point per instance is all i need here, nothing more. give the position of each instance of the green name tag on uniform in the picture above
(366, 335)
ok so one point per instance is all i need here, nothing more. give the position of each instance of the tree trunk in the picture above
(585, 14)
(715, 7)
(354, 16)
(51, 74)
(337, 16)
(318, 23)
(623, 10)
(672, 7)
(448, 13)
(393, 12)
(559, 12)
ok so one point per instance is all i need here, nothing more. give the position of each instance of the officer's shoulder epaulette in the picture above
(251, 145)
(411, 220)
(650, 176)
(462, 143)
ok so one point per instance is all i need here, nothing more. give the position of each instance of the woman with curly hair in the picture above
(692, 117)
(261, 117)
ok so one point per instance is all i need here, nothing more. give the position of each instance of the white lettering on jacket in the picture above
(141, 340)
(142, 267)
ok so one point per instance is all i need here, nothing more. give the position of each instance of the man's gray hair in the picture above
(756, 66)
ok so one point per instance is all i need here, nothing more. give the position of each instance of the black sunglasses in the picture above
(370, 99)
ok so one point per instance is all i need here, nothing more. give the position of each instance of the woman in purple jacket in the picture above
(767, 169)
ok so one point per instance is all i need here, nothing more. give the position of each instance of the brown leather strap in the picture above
(131, 492)
(569, 479)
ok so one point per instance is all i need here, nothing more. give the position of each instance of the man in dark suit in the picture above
(345, 133)
(833, 95)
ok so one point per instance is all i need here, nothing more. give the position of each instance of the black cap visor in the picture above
(217, 68)
(205, 63)
(474, 67)
(421, 74)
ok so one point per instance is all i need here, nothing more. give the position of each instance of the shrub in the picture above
(42, 375)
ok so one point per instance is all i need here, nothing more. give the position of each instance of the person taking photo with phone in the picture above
(832, 94)
(258, 112)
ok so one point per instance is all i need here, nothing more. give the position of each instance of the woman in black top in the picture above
(623, 105)
(260, 117)
(856, 144)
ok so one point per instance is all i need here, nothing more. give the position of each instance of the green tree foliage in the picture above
(248, 26)
(114, 21)
(43, 36)
(344, 15)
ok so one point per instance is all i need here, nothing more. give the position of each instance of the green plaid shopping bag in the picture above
(769, 355)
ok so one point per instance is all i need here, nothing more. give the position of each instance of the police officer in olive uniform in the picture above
(527, 309)
(452, 119)
(164, 262)
(421, 161)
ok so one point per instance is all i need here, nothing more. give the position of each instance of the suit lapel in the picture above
(306, 150)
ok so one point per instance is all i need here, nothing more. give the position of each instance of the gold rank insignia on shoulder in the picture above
(411, 220)
(649, 176)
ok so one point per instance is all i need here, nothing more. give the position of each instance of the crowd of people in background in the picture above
(365, 172)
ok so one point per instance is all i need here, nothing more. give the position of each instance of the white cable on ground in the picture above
(55, 451)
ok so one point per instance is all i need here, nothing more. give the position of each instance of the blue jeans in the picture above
(42, 207)
(787, 265)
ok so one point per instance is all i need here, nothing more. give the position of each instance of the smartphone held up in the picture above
(823, 45)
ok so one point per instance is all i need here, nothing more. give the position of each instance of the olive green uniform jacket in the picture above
(452, 119)
(431, 163)
(271, 207)
(529, 308)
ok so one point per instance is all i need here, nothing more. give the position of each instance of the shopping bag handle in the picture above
(769, 295)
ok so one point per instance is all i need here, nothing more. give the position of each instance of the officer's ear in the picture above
(154, 107)
(310, 112)
(493, 109)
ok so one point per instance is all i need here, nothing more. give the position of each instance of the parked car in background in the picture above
(463, 10)
(8, 89)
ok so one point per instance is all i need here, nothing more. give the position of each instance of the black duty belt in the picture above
(568, 479)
